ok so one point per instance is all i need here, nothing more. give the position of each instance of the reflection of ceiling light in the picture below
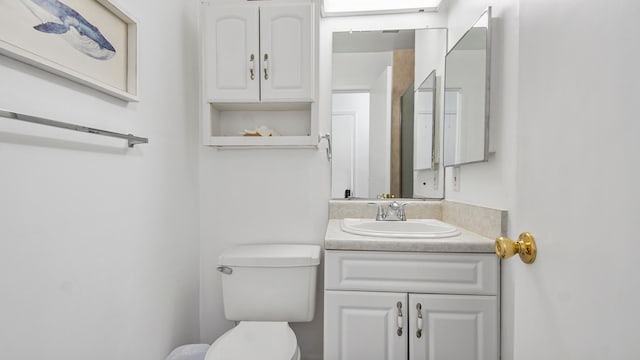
(355, 7)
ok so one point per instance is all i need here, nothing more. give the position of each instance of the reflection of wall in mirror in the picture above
(451, 113)
(430, 51)
(358, 71)
(380, 134)
(403, 75)
(466, 72)
(423, 129)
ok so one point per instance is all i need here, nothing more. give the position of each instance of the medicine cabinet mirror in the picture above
(466, 119)
(387, 113)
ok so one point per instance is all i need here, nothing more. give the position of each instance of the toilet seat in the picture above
(264, 340)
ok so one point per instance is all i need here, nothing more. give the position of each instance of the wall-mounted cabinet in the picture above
(259, 70)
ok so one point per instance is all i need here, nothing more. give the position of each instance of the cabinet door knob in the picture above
(419, 321)
(399, 319)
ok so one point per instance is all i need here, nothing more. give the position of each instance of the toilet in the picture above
(264, 287)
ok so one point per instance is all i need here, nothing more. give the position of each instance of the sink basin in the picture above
(414, 228)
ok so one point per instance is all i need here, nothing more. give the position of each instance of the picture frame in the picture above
(91, 42)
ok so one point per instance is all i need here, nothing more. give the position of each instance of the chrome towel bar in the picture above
(131, 139)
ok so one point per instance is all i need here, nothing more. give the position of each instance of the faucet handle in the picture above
(403, 216)
(380, 214)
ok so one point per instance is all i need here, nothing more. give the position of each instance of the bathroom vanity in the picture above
(410, 298)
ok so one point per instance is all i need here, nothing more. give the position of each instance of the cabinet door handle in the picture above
(419, 321)
(252, 67)
(265, 66)
(399, 319)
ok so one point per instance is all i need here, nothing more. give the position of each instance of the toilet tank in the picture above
(269, 282)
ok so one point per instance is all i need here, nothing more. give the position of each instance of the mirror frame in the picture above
(487, 94)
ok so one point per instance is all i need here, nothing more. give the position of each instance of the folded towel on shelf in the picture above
(260, 131)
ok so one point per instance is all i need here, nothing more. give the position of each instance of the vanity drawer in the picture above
(412, 272)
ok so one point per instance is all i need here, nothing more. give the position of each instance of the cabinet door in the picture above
(231, 41)
(286, 45)
(453, 327)
(364, 325)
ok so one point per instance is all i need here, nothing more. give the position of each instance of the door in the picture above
(365, 325)
(453, 327)
(578, 183)
(350, 136)
(286, 40)
(231, 44)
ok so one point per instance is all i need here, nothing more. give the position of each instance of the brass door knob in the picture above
(525, 247)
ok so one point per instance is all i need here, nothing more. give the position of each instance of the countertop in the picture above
(466, 242)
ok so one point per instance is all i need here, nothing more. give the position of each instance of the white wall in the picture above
(431, 48)
(493, 183)
(99, 244)
(260, 196)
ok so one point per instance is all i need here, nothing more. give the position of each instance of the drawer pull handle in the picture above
(265, 65)
(419, 321)
(399, 318)
(252, 67)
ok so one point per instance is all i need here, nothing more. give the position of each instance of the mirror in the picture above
(418, 125)
(466, 119)
(385, 132)
(425, 124)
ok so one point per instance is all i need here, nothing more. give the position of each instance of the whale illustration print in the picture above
(58, 18)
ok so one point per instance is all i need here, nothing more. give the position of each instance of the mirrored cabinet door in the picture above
(466, 122)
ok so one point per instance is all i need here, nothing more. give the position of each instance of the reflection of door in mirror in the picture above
(361, 130)
(350, 129)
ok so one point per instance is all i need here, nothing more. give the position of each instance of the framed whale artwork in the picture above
(92, 42)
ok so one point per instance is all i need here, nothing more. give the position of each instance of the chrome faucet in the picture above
(393, 211)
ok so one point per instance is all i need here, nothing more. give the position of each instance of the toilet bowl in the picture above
(264, 340)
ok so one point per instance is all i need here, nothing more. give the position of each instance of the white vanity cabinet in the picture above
(401, 305)
(258, 53)
(259, 72)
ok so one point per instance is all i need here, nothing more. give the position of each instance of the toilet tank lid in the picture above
(271, 255)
